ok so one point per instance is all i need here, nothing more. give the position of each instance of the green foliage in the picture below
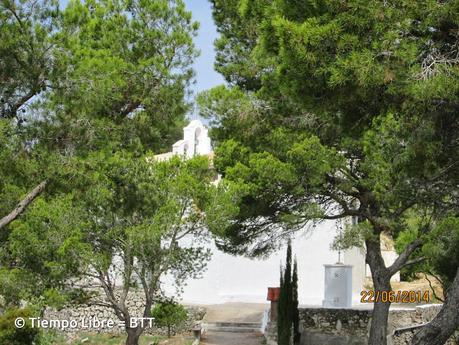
(26, 66)
(141, 208)
(407, 236)
(50, 337)
(347, 109)
(239, 113)
(130, 216)
(355, 235)
(48, 249)
(233, 46)
(128, 64)
(86, 93)
(442, 249)
(169, 314)
(122, 76)
(94, 76)
(335, 105)
(12, 335)
(439, 250)
(20, 167)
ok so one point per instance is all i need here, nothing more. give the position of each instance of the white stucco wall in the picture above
(238, 279)
(195, 140)
(356, 258)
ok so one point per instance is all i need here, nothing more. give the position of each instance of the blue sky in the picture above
(206, 77)
(205, 73)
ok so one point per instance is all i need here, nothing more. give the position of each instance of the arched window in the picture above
(185, 150)
(197, 133)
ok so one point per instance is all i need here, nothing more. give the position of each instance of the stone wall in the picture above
(86, 316)
(403, 336)
(351, 326)
(334, 326)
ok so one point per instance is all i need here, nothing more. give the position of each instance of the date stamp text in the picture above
(404, 296)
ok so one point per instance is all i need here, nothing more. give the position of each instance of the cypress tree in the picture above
(295, 311)
(281, 314)
(285, 303)
(288, 294)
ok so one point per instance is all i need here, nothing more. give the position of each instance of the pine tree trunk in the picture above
(381, 282)
(133, 336)
(379, 321)
(443, 326)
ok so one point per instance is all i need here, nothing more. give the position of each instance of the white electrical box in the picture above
(338, 286)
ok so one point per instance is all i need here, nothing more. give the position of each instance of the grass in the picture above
(106, 339)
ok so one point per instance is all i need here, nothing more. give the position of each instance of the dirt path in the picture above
(226, 338)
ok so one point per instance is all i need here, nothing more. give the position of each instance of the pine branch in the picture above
(23, 204)
(402, 259)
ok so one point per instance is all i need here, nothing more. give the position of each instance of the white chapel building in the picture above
(195, 141)
(231, 278)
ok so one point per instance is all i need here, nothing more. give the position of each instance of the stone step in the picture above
(233, 327)
(234, 330)
(234, 324)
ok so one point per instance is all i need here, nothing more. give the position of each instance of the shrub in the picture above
(169, 314)
(11, 335)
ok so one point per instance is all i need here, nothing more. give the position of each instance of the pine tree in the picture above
(338, 104)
